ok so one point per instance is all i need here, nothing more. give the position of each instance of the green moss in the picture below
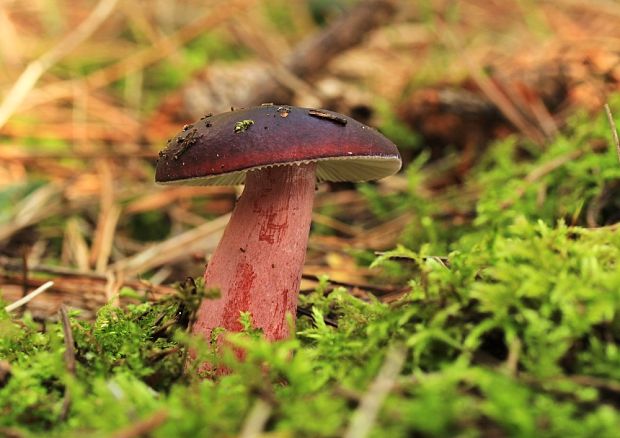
(562, 180)
(243, 125)
(551, 290)
(149, 226)
(394, 129)
(196, 55)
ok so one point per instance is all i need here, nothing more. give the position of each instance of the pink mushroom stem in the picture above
(258, 263)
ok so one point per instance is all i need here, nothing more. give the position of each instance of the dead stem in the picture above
(204, 237)
(69, 358)
(364, 417)
(143, 427)
(32, 295)
(614, 130)
(256, 419)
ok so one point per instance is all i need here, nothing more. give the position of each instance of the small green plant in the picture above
(243, 125)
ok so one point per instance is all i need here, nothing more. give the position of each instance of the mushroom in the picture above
(280, 153)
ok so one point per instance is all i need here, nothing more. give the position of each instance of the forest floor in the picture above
(475, 293)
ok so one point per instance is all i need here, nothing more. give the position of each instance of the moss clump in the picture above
(243, 125)
(518, 336)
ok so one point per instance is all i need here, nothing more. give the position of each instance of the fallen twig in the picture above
(69, 358)
(365, 415)
(143, 427)
(86, 294)
(29, 297)
(315, 52)
(38, 205)
(256, 420)
(175, 248)
(500, 98)
(69, 342)
(375, 290)
(9, 265)
(614, 130)
(109, 214)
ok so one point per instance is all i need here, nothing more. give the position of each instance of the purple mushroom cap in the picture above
(221, 149)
